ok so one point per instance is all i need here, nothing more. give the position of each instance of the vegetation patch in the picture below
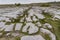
(45, 5)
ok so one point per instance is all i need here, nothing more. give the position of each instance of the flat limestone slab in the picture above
(36, 37)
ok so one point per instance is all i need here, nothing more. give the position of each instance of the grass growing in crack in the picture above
(42, 21)
(7, 23)
(47, 37)
(22, 26)
(25, 33)
(47, 14)
(14, 27)
(36, 16)
(17, 38)
(3, 32)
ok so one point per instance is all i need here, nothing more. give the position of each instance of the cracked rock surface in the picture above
(30, 23)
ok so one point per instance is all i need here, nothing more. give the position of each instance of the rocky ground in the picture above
(29, 23)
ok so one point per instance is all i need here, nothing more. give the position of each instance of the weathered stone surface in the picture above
(36, 37)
